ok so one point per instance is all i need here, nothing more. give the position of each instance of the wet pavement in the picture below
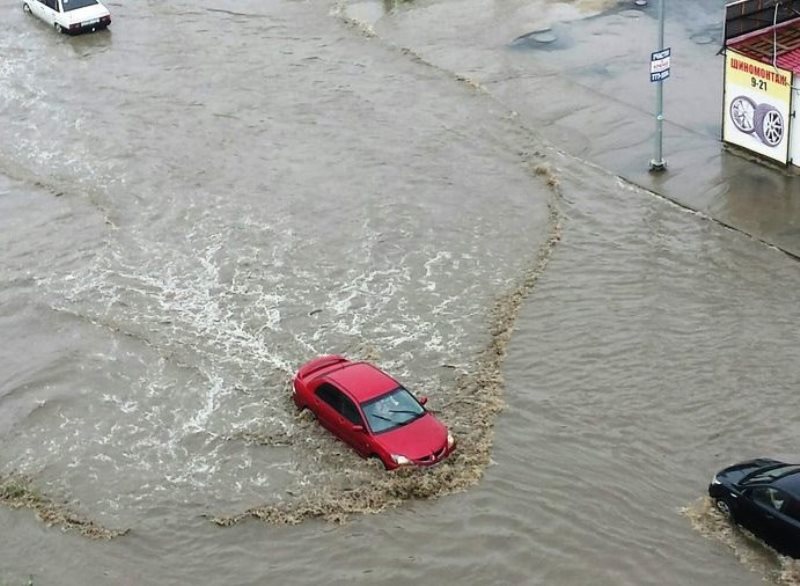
(579, 74)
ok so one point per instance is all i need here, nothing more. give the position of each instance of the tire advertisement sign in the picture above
(757, 106)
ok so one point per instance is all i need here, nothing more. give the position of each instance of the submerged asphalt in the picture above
(606, 115)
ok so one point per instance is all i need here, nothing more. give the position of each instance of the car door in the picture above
(50, 11)
(337, 412)
(324, 404)
(354, 427)
(768, 519)
(792, 510)
(37, 8)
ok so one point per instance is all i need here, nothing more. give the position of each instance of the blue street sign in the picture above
(659, 55)
(660, 76)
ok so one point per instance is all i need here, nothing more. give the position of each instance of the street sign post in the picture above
(659, 71)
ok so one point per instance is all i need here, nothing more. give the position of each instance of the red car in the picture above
(369, 410)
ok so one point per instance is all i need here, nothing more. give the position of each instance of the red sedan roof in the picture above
(363, 381)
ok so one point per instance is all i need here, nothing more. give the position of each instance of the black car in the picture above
(762, 495)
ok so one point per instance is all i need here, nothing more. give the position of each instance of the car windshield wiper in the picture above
(407, 420)
(761, 470)
(404, 411)
(382, 417)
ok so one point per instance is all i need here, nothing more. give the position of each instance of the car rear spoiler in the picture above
(323, 362)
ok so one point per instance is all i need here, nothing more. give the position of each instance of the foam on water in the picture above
(753, 553)
(186, 320)
(207, 333)
(178, 321)
(473, 405)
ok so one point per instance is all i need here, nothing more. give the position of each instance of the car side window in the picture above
(350, 412)
(339, 402)
(770, 497)
(52, 4)
(329, 394)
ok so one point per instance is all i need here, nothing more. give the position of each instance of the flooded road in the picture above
(201, 199)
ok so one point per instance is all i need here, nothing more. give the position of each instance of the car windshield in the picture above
(771, 474)
(75, 4)
(394, 409)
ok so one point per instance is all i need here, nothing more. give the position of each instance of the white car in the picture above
(70, 16)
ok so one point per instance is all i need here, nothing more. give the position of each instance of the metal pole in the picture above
(658, 163)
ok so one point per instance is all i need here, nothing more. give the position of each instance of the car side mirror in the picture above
(422, 400)
(357, 428)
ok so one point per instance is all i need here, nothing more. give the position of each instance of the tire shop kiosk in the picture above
(762, 59)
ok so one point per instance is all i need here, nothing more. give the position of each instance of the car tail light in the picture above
(106, 19)
(75, 26)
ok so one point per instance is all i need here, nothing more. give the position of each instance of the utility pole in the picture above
(658, 163)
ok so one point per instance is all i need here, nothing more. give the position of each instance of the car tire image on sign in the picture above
(762, 495)
(762, 119)
(371, 412)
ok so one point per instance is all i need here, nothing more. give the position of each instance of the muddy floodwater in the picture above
(198, 200)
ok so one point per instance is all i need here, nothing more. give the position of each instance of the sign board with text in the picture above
(757, 106)
(659, 64)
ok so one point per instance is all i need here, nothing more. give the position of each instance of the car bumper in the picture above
(431, 461)
(87, 28)
(437, 457)
(720, 491)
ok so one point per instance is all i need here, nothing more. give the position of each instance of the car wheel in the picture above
(306, 413)
(58, 28)
(723, 507)
(376, 462)
(768, 124)
(26, 7)
(743, 111)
